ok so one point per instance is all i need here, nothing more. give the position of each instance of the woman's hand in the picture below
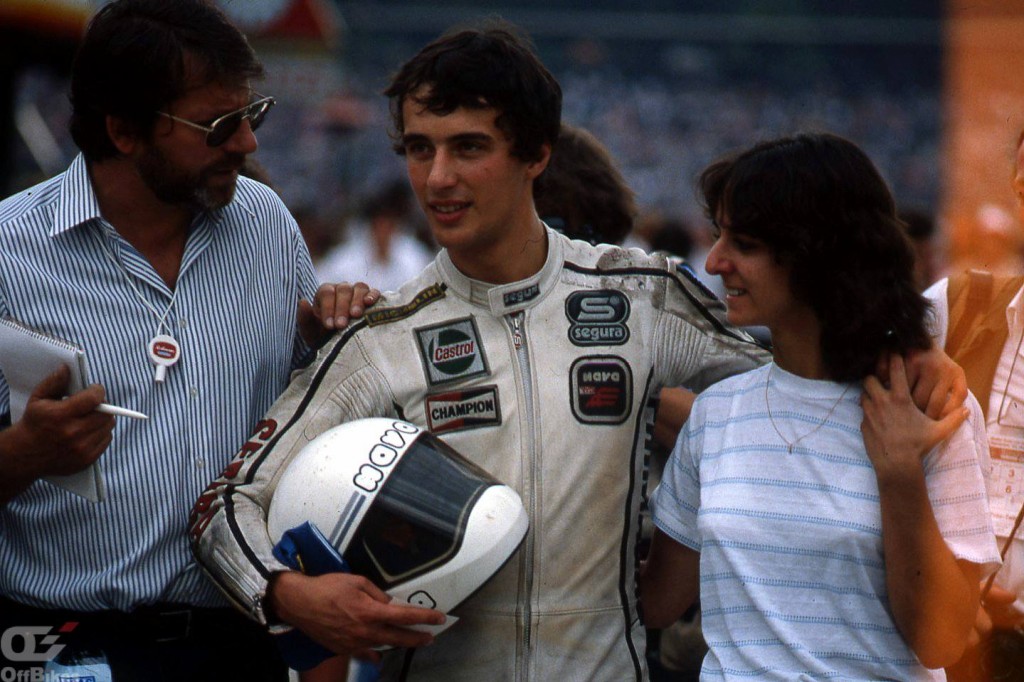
(897, 434)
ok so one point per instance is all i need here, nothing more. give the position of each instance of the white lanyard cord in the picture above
(161, 319)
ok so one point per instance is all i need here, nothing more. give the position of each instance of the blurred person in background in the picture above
(582, 193)
(380, 248)
(920, 226)
(979, 320)
(672, 237)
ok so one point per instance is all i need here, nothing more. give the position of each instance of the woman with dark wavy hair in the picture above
(833, 530)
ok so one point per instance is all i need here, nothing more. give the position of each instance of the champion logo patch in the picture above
(601, 389)
(462, 410)
(597, 318)
(451, 351)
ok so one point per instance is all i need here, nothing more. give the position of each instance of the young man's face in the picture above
(176, 163)
(478, 198)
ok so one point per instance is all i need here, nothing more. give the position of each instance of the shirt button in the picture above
(183, 323)
(200, 463)
(193, 391)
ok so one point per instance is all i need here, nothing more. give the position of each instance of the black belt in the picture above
(161, 622)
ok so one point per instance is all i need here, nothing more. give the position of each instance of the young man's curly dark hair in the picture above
(471, 68)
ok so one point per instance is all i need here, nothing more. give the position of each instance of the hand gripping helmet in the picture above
(401, 508)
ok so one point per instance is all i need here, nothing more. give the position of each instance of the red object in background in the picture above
(315, 21)
(63, 19)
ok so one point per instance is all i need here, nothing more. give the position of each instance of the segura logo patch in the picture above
(462, 410)
(451, 351)
(601, 389)
(521, 296)
(597, 318)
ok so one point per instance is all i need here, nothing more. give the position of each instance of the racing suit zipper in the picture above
(516, 322)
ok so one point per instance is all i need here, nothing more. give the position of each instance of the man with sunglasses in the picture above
(148, 247)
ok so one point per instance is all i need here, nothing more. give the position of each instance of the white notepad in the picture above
(27, 356)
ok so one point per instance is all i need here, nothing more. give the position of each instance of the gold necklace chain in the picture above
(767, 404)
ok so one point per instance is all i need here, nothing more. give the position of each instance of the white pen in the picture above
(120, 411)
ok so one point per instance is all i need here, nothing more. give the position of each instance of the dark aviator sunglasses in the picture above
(221, 129)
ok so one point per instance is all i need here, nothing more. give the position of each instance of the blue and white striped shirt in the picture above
(792, 577)
(244, 268)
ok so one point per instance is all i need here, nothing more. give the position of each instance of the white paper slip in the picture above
(27, 356)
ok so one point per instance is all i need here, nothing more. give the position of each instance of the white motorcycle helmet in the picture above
(403, 509)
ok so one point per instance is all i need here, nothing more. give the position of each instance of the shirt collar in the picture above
(76, 203)
(1013, 310)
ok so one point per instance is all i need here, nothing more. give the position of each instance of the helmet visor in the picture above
(418, 519)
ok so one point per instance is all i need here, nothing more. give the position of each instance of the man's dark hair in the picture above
(919, 223)
(820, 205)
(492, 67)
(583, 190)
(393, 199)
(138, 56)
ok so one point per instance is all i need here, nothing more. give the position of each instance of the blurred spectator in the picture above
(382, 249)
(582, 193)
(672, 237)
(978, 321)
(319, 233)
(1001, 250)
(921, 230)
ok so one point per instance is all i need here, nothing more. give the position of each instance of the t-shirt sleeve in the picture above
(955, 477)
(676, 500)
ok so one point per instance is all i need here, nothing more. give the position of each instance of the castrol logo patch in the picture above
(451, 351)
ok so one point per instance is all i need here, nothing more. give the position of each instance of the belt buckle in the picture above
(173, 625)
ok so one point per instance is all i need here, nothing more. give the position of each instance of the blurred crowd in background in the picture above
(664, 109)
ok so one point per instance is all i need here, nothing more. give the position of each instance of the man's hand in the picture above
(995, 611)
(332, 307)
(54, 436)
(998, 604)
(938, 385)
(347, 613)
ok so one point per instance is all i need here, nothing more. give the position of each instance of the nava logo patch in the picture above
(601, 389)
(451, 351)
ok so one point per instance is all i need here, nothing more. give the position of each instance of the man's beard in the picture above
(173, 186)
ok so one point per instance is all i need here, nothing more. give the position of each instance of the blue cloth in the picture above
(304, 548)
(244, 268)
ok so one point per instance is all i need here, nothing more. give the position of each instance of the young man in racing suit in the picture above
(533, 355)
